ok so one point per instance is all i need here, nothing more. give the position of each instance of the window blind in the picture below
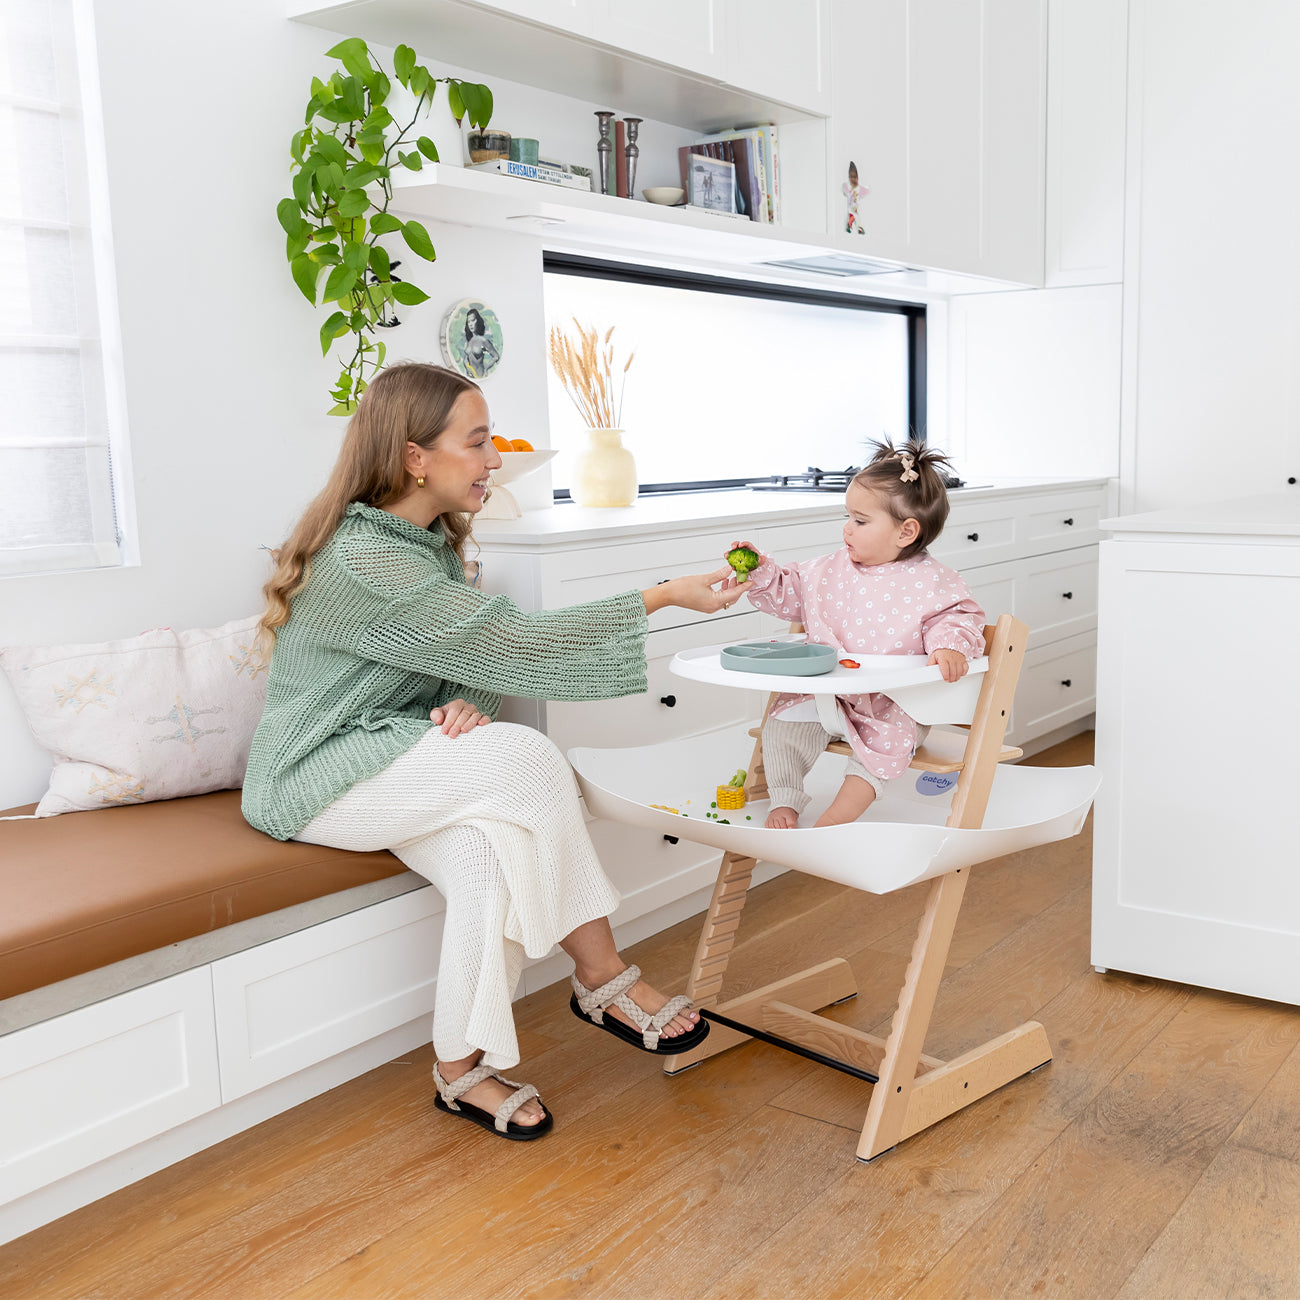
(60, 426)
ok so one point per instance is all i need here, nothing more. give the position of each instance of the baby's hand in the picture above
(952, 663)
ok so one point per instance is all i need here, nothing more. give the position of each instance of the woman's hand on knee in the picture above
(457, 717)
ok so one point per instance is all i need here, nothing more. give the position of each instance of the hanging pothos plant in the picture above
(343, 160)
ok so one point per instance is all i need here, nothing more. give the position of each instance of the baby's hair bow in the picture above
(909, 474)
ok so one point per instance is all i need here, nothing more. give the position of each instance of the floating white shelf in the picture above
(574, 220)
(488, 42)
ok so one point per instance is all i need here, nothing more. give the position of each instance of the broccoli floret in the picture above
(737, 782)
(742, 559)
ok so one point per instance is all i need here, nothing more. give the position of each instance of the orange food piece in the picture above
(520, 444)
(500, 443)
(849, 663)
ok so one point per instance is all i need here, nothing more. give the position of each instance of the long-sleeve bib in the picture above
(909, 607)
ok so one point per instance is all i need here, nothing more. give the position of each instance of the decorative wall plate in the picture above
(471, 338)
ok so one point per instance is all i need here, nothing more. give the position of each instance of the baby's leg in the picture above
(855, 796)
(789, 751)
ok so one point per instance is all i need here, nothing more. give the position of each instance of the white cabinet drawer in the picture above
(1058, 594)
(646, 719)
(84, 1086)
(976, 535)
(1072, 520)
(286, 1005)
(1058, 684)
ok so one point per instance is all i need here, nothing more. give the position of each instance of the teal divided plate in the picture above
(784, 658)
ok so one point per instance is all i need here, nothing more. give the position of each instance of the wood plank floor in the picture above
(1158, 1155)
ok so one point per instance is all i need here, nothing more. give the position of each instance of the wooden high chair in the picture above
(912, 1090)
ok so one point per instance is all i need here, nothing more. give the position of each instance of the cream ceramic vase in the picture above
(605, 473)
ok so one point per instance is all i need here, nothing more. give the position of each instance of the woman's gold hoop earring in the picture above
(419, 482)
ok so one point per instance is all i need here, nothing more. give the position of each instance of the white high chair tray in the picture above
(907, 679)
(899, 840)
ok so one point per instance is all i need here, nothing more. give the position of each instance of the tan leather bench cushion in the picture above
(88, 888)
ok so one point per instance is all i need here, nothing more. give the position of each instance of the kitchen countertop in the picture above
(688, 511)
(1275, 517)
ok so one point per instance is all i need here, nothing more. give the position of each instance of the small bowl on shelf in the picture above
(665, 195)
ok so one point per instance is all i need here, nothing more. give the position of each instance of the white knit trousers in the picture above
(789, 751)
(491, 818)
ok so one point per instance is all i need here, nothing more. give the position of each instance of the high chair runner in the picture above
(898, 842)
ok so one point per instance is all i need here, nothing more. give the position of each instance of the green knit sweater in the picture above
(385, 629)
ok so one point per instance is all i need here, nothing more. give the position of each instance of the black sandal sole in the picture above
(514, 1132)
(667, 1046)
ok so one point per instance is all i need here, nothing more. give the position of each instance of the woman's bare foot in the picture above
(489, 1094)
(781, 819)
(649, 999)
(854, 798)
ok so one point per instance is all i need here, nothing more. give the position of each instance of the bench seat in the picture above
(85, 889)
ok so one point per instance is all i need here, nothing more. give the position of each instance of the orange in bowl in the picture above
(500, 443)
(520, 444)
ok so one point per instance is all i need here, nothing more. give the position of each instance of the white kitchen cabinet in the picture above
(990, 134)
(685, 34)
(941, 106)
(1194, 859)
(84, 1086)
(781, 48)
(576, 16)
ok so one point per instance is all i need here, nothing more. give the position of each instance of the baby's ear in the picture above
(908, 531)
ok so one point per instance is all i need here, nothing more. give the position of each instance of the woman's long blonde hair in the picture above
(407, 402)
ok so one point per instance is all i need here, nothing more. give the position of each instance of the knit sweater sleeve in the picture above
(487, 646)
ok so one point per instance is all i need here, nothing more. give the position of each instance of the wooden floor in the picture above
(1158, 1155)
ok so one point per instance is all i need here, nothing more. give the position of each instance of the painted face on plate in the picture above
(459, 463)
(871, 534)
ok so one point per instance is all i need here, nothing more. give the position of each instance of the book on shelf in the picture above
(620, 159)
(535, 172)
(763, 144)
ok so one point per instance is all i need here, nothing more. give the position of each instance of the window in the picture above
(59, 355)
(734, 382)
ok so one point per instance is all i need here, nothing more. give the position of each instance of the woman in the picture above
(388, 668)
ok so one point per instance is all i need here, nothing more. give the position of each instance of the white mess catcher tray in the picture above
(899, 840)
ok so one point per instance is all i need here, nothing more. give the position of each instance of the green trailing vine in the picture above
(343, 162)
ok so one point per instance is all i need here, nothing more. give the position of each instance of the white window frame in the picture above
(97, 342)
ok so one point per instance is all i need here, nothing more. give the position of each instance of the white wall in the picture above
(225, 384)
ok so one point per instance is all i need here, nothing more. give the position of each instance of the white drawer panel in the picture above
(1058, 594)
(646, 719)
(1057, 685)
(1072, 520)
(286, 1005)
(87, 1085)
(995, 589)
(975, 535)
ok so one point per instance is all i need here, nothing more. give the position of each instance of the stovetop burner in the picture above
(825, 480)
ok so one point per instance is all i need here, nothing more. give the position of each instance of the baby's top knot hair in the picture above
(908, 483)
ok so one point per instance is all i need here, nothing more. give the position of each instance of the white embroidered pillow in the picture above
(157, 716)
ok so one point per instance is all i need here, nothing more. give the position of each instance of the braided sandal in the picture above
(501, 1124)
(591, 1005)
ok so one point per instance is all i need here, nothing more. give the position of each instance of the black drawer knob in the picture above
(669, 701)
(1069, 523)
(1067, 595)
(972, 537)
(1066, 682)
(672, 839)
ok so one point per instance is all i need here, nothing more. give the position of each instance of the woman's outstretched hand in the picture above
(457, 717)
(704, 592)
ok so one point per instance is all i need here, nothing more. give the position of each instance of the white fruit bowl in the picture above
(514, 465)
(665, 195)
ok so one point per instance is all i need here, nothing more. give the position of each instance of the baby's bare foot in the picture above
(782, 819)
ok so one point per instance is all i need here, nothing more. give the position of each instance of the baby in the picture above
(881, 593)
